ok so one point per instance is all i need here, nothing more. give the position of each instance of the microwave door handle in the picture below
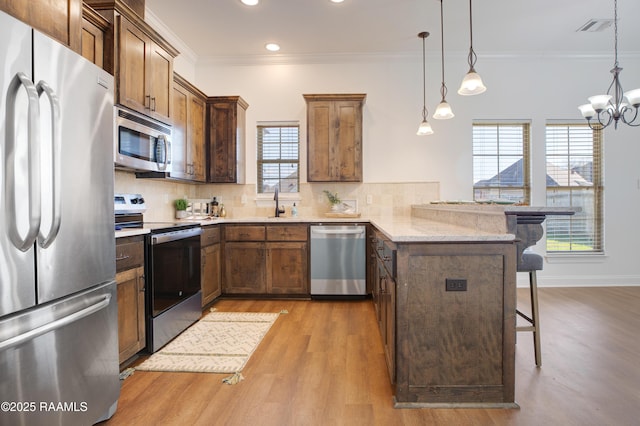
(33, 161)
(45, 241)
(167, 152)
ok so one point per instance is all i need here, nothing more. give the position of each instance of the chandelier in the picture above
(612, 107)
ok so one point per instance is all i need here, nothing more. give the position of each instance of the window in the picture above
(574, 179)
(501, 162)
(278, 157)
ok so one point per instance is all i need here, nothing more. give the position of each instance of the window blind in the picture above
(501, 161)
(278, 158)
(574, 179)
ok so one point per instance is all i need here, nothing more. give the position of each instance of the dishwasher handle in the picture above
(338, 231)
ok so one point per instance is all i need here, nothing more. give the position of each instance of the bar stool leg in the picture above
(535, 317)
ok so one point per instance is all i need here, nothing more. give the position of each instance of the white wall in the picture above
(531, 88)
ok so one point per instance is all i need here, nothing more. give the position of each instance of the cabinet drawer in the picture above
(287, 233)
(244, 233)
(129, 253)
(210, 235)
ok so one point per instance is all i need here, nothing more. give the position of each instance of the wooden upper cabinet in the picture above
(334, 137)
(140, 59)
(188, 133)
(60, 19)
(94, 27)
(145, 81)
(226, 127)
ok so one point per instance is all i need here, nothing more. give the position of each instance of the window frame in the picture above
(597, 188)
(261, 161)
(526, 159)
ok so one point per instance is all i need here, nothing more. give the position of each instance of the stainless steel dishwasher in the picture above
(338, 261)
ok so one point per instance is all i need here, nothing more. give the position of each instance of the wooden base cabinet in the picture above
(131, 296)
(245, 268)
(266, 260)
(455, 347)
(287, 268)
(210, 256)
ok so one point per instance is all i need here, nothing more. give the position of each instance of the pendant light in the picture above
(425, 127)
(443, 110)
(472, 83)
(609, 109)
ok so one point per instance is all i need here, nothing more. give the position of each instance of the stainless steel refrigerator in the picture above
(58, 311)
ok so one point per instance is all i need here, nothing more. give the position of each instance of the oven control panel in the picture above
(129, 203)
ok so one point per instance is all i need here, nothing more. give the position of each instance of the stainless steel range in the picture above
(172, 271)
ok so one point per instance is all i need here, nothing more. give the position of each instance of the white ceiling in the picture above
(229, 29)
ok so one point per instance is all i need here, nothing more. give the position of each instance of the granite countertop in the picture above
(410, 229)
(399, 229)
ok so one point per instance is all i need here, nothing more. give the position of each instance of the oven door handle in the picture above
(175, 235)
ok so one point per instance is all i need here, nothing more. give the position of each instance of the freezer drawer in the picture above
(59, 361)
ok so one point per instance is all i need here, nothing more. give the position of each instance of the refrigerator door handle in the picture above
(38, 331)
(45, 241)
(33, 133)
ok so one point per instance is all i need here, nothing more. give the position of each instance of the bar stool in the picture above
(532, 262)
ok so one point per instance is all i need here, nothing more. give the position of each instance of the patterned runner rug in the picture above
(220, 342)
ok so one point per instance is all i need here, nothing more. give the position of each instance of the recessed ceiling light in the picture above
(250, 2)
(337, 1)
(273, 47)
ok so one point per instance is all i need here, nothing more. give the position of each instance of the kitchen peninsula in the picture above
(447, 310)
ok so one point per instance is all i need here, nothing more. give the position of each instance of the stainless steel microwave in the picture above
(142, 143)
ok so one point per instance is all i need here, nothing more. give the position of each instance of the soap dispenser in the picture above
(294, 210)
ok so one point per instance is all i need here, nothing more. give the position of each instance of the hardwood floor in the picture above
(323, 364)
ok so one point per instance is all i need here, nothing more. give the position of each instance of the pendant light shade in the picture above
(443, 110)
(425, 127)
(471, 83)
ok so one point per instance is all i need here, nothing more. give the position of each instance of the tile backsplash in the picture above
(386, 199)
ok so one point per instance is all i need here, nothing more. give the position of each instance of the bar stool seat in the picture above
(532, 262)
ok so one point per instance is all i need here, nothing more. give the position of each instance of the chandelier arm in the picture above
(609, 118)
(631, 122)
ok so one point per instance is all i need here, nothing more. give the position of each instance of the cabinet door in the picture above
(244, 268)
(319, 129)
(132, 86)
(287, 271)
(179, 134)
(92, 43)
(222, 143)
(346, 145)
(389, 326)
(334, 138)
(210, 274)
(196, 133)
(60, 19)
(131, 325)
(160, 81)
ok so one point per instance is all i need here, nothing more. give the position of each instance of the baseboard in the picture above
(581, 280)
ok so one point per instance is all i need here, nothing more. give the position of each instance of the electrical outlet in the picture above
(455, 285)
(369, 199)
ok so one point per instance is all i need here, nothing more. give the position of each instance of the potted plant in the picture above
(181, 208)
(333, 200)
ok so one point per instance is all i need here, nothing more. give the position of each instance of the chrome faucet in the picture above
(279, 210)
